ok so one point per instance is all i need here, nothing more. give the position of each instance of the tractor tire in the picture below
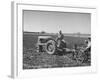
(50, 47)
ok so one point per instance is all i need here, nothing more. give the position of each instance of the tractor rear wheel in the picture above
(50, 47)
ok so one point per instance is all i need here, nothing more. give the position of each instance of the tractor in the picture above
(49, 45)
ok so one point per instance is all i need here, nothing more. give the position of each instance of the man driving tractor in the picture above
(61, 44)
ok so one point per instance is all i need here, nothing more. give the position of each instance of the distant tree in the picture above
(43, 32)
(78, 34)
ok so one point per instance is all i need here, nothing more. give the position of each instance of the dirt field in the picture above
(34, 60)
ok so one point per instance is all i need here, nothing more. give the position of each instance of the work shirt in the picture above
(89, 44)
(61, 44)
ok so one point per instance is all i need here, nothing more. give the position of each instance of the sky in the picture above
(52, 22)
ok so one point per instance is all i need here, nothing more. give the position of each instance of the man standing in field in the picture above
(88, 45)
(87, 50)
